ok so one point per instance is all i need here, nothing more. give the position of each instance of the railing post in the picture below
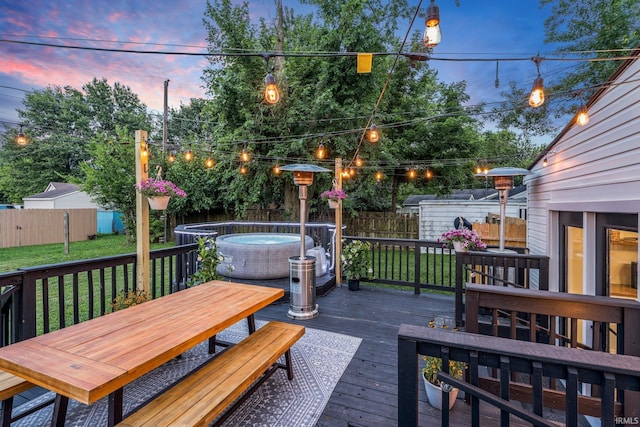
(459, 278)
(407, 382)
(27, 325)
(416, 267)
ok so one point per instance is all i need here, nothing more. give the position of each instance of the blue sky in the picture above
(475, 29)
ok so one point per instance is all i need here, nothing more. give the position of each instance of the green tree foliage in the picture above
(61, 123)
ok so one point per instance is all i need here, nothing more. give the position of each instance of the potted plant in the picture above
(208, 260)
(356, 263)
(433, 387)
(462, 240)
(129, 299)
(158, 191)
(333, 196)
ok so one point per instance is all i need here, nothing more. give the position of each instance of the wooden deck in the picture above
(367, 392)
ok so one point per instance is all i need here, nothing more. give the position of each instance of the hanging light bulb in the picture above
(432, 34)
(374, 135)
(188, 155)
(352, 172)
(582, 118)
(321, 153)
(345, 173)
(545, 162)
(244, 155)
(243, 170)
(172, 157)
(144, 150)
(276, 170)
(359, 162)
(412, 173)
(536, 98)
(428, 174)
(271, 93)
(478, 169)
(379, 176)
(21, 140)
(209, 163)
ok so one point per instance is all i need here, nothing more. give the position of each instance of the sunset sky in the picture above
(476, 29)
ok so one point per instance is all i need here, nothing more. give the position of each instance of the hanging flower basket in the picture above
(158, 191)
(333, 204)
(158, 203)
(333, 196)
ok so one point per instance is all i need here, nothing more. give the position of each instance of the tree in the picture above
(61, 123)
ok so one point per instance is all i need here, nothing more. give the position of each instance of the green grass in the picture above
(30, 256)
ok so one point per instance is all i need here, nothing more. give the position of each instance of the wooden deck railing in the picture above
(36, 300)
(611, 373)
(566, 320)
(515, 269)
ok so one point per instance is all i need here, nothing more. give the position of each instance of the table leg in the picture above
(115, 407)
(212, 345)
(59, 411)
(251, 323)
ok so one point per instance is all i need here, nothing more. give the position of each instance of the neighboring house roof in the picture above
(469, 194)
(54, 190)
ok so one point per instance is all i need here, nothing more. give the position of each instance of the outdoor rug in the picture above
(319, 359)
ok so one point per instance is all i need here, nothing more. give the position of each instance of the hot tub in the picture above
(258, 255)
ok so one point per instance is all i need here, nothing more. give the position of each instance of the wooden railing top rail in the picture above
(550, 303)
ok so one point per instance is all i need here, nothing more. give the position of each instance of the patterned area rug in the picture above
(319, 359)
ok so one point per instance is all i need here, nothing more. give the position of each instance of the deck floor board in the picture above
(367, 392)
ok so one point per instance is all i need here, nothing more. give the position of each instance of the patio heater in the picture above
(503, 182)
(302, 269)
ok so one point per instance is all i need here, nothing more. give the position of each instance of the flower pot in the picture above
(333, 204)
(158, 203)
(434, 394)
(459, 246)
(354, 284)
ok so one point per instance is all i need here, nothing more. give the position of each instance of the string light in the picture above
(209, 163)
(21, 140)
(374, 135)
(412, 173)
(243, 170)
(244, 155)
(172, 157)
(276, 170)
(432, 34)
(428, 174)
(271, 93)
(545, 162)
(321, 153)
(582, 118)
(359, 162)
(144, 150)
(188, 155)
(379, 176)
(536, 98)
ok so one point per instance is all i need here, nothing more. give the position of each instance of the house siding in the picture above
(595, 168)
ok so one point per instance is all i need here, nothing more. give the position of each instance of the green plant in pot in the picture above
(356, 262)
(208, 260)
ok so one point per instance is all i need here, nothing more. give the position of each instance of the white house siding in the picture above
(595, 168)
(437, 216)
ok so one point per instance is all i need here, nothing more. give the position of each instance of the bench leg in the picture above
(287, 361)
(59, 411)
(7, 406)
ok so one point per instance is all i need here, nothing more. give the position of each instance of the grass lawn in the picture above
(105, 245)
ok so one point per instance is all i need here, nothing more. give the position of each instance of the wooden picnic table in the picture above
(97, 358)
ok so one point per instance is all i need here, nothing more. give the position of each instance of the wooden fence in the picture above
(515, 232)
(26, 227)
(366, 224)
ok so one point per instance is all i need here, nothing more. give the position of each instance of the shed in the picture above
(60, 195)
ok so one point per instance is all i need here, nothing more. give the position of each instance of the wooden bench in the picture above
(204, 394)
(10, 385)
